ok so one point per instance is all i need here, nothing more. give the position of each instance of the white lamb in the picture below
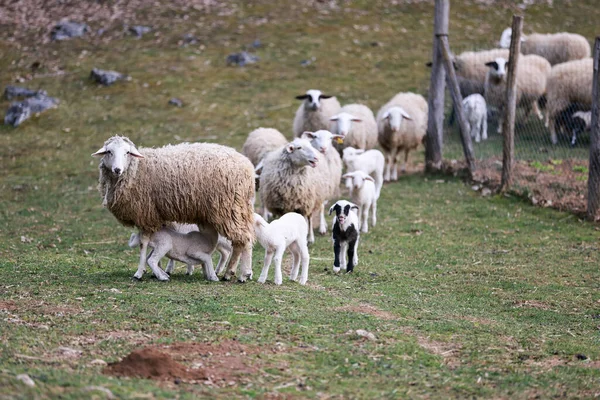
(314, 112)
(364, 195)
(371, 162)
(288, 232)
(356, 123)
(475, 110)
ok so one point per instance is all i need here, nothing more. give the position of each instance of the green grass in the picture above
(467, 296)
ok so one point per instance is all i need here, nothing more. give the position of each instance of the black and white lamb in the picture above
(345, 235)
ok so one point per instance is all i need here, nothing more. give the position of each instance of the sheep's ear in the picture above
(303, 97)
(385, 115)
(354, 207)
(359, 151)
(405, 115)
(334, 118)
(338, 138)
(134, 152)
(369, 178)
(354, 119)
(289, 148)
(100, 152)
(492, 64)
(307, 134)
(332, 208)
(348, 175)
(258, 169)
(325, 96)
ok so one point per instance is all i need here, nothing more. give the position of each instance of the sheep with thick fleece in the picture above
(475, 110)
(197, 183)
(471, 70)
(402, 125)
(295, 178)
(261, 141)
(555, 47)
(569, 83)
(371, 162)
(356, 123)
(364, 195)
(532, 75)
(288, 232)
(314, 112)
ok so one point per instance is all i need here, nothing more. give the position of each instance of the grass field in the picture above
(466, 296)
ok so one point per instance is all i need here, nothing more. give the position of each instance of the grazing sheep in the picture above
(364, 195)
(402, 125)
(356, 123)
(191, 247)
(370, 162)
(532, 74)
(569, 83)
(555, 47)
(200, 183)
(288, 232)
(295, 178)
(322, 141)
(475, 110)
(314, 112)
(345, 235)
(261, 141)
(582, 122)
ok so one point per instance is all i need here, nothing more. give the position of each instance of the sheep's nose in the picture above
(117, 171)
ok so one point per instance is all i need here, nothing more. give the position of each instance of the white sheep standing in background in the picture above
(402, 124)
(314, 112)
(261, 141)
(471, 69)
(475, 110)
(371, 162)
(356, 123)
(288, 232)
(364, 195)
(555, 47)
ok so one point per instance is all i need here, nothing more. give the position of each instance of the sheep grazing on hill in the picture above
(295, 178)
(364, 195)
(475, 110)
(196, 183)
(345, 235)
(555, 47)
(532, 75)
(569, 84)
(356, 123)
(314, 112)
(288, 232)
(371, 162)
(261, 141)
(402, 124)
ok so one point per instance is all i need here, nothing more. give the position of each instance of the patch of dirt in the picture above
(222, 364)
(364, 308)
(8, 305)
(448, 350)
(532, 304)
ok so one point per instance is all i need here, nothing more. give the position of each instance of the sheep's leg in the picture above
(232, 263)
(378, 181)
(311, 234)
(394, 164)
(364, 218)
(337, 247)
(246, 262)
(351, 257)
(484, 128)
(277, 259)
(388, 167)
(171, 267)
(374, 210)
(355, 259)
(295, 252)
(305, 259)
(265, 271)
(553, 136)
(153, 260)
(224, 254)
(209, 271)
(144, 240)
(190, 269)
(536, 109)
(406, 159)
(343, 250)
(322, 221)
(500, 121)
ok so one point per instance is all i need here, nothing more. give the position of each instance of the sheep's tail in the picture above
(134, 240)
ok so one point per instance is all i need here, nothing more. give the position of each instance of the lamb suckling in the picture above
(364, 195)
(196, 183)
(357, 124)
(475, 110)
(371, 162)
(290, 231)
(314, 112)
(345, 235)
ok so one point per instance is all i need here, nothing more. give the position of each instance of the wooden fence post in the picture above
(435, 123)
(508, 127)
(594, 168)
(465, 135)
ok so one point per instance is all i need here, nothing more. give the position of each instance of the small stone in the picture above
(241, 59)
(485, 192)
(176, 102)
(98, 361)
(26, 380)
(104, 77)
(581, 356)
(139, 30)
(366, 334)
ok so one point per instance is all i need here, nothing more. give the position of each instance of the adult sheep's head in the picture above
(116, 154)
(497, 68)
(356, 179)
(321, 139)
(343, 123)
(394, 117)
(301, 153)
(312, 99)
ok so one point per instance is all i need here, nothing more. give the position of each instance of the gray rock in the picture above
(106, 78)
(139, 30)
(189, 39)
(21, 111)
(67, 30)
(176, 102)
(15, 91)
(241, 59)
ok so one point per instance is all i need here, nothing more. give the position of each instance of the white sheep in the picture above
(364, 195)
(475, 110)
(555, 47)
(471, 69)
(295, 178)
(149, 188)
(345, 235)
(356, 123)
(371, 162)
(314, 112)
(288, 232)
(261, 141)
(402, 125)
(532, 75)
(569, 84)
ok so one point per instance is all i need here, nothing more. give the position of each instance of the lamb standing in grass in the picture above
(356, 123)
(288, 232)
(475, 110)
(364, 195)
(314, 112)
(371, 162)
(402, 124)
(345, 235)
(200, 183)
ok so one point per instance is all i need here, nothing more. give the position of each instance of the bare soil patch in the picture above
(532, 304)
(364, 308)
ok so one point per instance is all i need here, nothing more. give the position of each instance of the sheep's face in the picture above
(356, 179)
(394, 117)
(321, 140)
(301, 153)
(498, 68)
(343, 123)
(350, 153)
(342, 210)
(116, 154)
(312, 99)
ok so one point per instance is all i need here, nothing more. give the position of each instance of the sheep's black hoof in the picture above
(136, 279)
(225, 278)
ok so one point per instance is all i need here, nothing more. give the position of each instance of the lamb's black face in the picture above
(342, 210)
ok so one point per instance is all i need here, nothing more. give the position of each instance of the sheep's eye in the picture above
(299, 147)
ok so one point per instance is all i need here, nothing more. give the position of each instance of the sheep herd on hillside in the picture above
(191, 199)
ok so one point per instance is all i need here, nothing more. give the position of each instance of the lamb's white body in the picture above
(475, 110)
(314, 112)
(288, 232)
(371, 162)
(356, 123)
(364, 195)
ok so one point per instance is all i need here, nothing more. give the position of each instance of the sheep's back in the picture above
(557, 47)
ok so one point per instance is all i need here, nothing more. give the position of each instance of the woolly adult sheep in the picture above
(569, 83)
(314, 112)
(294, 178)
(261, 141)
(196, 183)
(356, 123)
(555, 47)
(402, 125)
(471, 69)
